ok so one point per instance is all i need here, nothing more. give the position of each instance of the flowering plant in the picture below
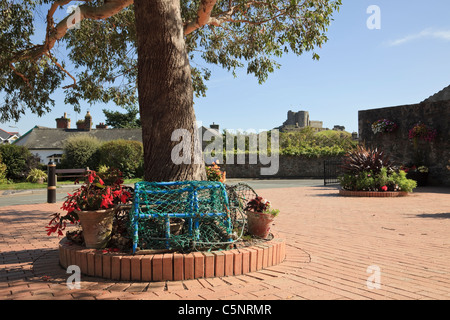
(383, 125)
(95, 194)
(414, 168)
(259, 204)
(213, 173)
(421, 131)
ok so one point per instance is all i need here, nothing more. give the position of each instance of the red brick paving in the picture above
(330, 243)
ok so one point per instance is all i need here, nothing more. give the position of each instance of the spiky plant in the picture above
(366, 160)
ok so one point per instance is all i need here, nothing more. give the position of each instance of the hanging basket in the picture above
(97, 227)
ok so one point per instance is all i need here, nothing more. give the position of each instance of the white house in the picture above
(48, 143)
(8, 137)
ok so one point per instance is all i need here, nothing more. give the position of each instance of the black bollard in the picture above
(51, 186)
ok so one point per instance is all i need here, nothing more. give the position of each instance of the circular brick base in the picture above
(373, 194)
(171, 266)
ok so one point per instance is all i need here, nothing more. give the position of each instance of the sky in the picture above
(368, 63)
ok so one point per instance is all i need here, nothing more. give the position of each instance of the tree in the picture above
(117, 119)
(127, 51)
(18, 160)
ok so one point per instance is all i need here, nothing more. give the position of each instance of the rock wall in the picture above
(288, 167)
(402, 150)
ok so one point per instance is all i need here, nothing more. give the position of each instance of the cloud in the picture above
(425, 34)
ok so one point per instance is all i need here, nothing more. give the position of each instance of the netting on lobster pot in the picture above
(181, 216)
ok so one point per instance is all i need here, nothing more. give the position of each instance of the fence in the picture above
(331, 171)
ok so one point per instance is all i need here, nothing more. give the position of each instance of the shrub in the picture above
(36, 175)
(18, 160)
(382, 181)
(81, 152)
(2, 171)
(310, 144)
(366, 160)
(404, 183)
(124, 155)
(371, 170)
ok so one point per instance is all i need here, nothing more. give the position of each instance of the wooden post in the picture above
(51, 186)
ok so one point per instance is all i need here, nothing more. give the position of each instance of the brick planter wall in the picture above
(372, 194)
(171, 266)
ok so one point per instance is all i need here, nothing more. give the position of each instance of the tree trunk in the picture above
(165, 92)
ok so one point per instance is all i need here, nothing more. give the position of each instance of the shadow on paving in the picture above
(33, 265)
(434, 215)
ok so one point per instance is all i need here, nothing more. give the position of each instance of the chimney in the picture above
(88, 122)
(80, 124)
(63, 122)
(101, 125)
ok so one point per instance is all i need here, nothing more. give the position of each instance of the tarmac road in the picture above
(37, 196)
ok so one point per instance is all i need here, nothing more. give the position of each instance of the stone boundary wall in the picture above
(435, 155)
(288, 167)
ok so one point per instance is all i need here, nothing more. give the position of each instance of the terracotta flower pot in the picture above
(97, 227)
(259, 223)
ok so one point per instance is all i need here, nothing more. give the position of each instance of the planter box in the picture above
(372, 194)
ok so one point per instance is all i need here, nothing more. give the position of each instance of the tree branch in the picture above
(203, 16)
(56, 33)
(62, 69)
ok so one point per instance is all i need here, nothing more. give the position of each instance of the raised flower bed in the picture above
(370, 173)
(153, 251)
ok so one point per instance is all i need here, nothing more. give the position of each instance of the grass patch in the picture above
(30, 185)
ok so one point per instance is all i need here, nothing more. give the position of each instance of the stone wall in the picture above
(402, 150)
(288, 167)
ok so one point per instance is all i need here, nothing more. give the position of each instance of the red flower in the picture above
(125, 196)
(384, 188)
(96, 193)
(107, 201)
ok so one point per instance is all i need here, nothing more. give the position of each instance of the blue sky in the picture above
(404, 62)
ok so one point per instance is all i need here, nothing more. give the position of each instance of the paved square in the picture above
(337, 248)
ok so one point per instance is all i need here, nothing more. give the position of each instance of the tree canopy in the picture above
(117, 119)
(102, 49)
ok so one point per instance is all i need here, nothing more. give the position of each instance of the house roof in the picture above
(53, 138)
(442, 95)
(6, 135)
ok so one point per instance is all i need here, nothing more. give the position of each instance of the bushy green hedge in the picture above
(87, 151)
(2, 171)
(18, 160)
(311, 144)
(305, 142)
(81, 151)
(125, 155)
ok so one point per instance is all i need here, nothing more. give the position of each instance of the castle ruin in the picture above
(299, 120)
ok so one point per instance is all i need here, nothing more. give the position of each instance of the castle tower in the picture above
(302, 118)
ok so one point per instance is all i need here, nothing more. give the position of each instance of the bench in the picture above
(71, 173)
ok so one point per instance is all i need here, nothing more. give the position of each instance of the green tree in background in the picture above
(117, 119)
